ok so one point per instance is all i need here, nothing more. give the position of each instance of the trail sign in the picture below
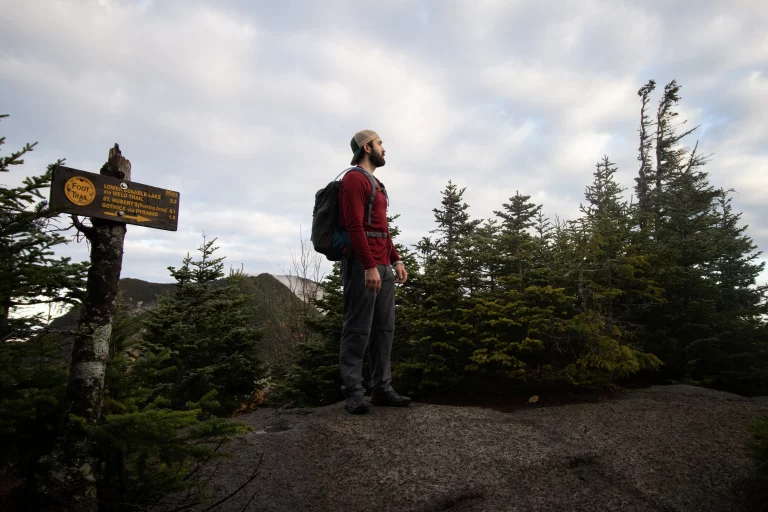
(94, 195)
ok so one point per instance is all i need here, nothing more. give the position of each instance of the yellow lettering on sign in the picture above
(80, 191)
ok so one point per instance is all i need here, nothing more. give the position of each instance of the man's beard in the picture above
(377, 159)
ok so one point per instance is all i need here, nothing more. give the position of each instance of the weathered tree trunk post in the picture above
(71, 480)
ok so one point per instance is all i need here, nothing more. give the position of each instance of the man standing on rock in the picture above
(369, 271)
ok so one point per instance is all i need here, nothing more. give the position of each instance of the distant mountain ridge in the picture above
(276, 300)
(302, 287)
(142, 294)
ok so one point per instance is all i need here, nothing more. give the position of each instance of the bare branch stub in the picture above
(89, 232)
(118, 163)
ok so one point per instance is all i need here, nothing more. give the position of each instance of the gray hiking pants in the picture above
(369, 320)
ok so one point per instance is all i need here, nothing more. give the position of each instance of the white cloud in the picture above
(248, 108)
(576, 100)
(496, 142)
(579, 151)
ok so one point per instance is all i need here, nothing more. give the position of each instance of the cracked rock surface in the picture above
(670, 448)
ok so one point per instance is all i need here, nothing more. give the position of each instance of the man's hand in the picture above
(401, 273)
(373, 279)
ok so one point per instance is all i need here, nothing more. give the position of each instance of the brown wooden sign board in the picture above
(94, 195)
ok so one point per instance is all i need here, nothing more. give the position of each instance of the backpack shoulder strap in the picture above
(345, 171)
(374, 188)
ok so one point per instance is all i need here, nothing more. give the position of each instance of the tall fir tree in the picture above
(708, 326)
(517, 217)
(406, 296)
(684, 247)
(543, 240)
(614, 259)
(678, 242)
(454, 224)
(206, 328)
(483, 260)
(511, 317)
(610, 284)
(441, 346)
(736, 358)
(30, 274)
(645, 175)
(33, 368)
(145, 448)
(671, 155)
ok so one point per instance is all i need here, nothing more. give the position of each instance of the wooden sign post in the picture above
(111, 200)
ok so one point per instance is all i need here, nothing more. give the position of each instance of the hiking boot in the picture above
(356, 404)
(389, 398)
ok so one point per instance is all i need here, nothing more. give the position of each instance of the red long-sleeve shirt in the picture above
(354, 194)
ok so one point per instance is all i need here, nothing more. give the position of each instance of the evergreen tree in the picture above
(33, 381)
(405, 297)
(708, 327)
(614, 261)
(147, 449)
(441, 346)
(502, 314)
(30, 275)
(533, 331)
(515, 333)
(737, 357)
(472, 252)
(683, 247)
(645, 175)
(205, 327)
(32, 363)
(518, 216)
(610, 284)
(453, 223)
(543, 240)
(563, 255)
(510, 318)
(670, 154)
(483, 259)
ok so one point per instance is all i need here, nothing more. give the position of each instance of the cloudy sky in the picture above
(247, 108)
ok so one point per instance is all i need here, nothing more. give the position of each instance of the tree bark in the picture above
(5, 312)
(71, 480)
